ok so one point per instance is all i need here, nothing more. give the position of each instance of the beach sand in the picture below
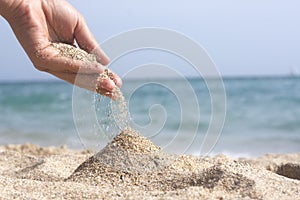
(131, 167)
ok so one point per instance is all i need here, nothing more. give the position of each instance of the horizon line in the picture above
(225, 77)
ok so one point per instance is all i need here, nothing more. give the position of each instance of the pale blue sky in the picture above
(249, 37)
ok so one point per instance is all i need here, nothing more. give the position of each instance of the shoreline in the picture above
(41, 172)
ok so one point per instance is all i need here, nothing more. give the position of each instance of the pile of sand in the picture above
(123, 160)
(131, 160)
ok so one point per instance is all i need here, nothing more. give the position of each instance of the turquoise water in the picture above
(262, 115)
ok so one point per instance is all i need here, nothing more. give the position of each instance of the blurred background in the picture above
(254, 44)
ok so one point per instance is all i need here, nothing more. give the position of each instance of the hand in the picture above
(38, 23)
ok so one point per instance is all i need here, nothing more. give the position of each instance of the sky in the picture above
(243, 38)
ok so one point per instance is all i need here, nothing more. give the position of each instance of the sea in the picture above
(238, 117)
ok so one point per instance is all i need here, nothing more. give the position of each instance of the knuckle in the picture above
(26, 10)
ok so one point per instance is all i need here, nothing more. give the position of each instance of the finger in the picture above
(106, 83)
(85, 81)
(100, 55)
(87, 41)
(116, 79)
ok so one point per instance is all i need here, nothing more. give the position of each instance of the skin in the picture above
(38, 23)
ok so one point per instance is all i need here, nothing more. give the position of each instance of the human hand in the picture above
(38, 23)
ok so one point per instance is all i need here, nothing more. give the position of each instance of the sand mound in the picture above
(128, 156)
(132, 160)
(131, 141)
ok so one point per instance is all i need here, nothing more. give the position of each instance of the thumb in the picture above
(87, 41)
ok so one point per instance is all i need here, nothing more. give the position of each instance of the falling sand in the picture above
(132, 167)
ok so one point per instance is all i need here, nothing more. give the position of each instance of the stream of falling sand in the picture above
(119, 110)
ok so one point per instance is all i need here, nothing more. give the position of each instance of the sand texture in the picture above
(69, 51)
(131, 167)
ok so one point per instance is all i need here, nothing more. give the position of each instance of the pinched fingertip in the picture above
(106, 84)
(117, 80)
